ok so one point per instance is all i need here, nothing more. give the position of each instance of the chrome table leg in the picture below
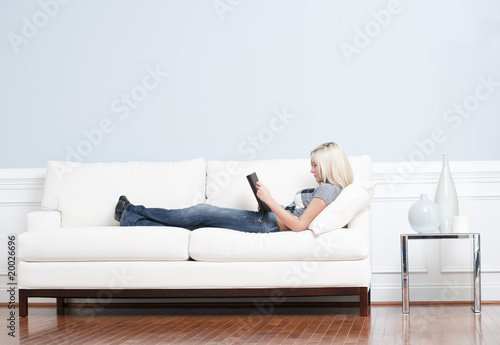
(477, 273)
(404, 274)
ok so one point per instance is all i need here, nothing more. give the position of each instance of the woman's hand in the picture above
(263, 193)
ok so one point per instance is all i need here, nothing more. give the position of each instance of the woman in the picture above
(329, 165)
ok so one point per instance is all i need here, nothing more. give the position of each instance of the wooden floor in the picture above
(442, 325)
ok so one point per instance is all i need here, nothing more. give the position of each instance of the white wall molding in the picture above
(431, 264)
(11, 178)
(394, 172)
(21, 187)
(475, 180)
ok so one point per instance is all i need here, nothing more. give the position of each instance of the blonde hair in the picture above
(333, 163)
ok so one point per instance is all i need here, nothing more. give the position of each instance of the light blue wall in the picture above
(259, 79)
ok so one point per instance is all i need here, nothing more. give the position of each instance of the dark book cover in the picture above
(252, 179)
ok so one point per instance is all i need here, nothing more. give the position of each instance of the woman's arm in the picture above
(293, 223)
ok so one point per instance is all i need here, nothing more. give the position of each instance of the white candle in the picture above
(461, 224)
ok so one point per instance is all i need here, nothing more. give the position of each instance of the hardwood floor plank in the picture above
(367, 328)
(316, 338)
(206, 336)
(489, 326)
(377, 333)
(237, 326)
(391, 329)
(263, 334)
(355, 332)
(300, 328)
(426, 324)
(310, 330)
(333, 331)
(289, 324)
(255, 330)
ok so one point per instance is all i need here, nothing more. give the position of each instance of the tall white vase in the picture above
(446, 198)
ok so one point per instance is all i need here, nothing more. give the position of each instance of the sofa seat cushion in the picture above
(214, 244)
(105, 244)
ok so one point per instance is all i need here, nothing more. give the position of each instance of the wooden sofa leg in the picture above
(60, 306)
(365, 301)
(23, 303)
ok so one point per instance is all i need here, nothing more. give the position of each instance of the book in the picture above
(253, 179)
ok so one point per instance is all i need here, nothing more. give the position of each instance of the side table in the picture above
(437, 236)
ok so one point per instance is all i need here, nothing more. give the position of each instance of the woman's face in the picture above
(316, 171)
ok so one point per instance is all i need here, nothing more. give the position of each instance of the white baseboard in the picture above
(434, 293)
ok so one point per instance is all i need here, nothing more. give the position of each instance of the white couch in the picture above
(75, 249)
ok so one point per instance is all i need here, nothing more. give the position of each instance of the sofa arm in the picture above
(41, 220)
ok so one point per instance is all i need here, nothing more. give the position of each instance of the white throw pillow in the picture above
(339, 213)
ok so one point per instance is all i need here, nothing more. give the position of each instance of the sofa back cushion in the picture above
(227, 185)
(86, 193)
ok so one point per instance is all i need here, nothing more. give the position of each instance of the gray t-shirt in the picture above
(326, 192)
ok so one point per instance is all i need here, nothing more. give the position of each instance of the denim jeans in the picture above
(200, 216)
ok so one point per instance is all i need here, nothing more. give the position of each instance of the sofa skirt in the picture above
(193, 274)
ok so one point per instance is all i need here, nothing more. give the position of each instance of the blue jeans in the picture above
(200, 216)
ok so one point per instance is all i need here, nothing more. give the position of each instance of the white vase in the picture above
(446, 198)
(424, 215)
